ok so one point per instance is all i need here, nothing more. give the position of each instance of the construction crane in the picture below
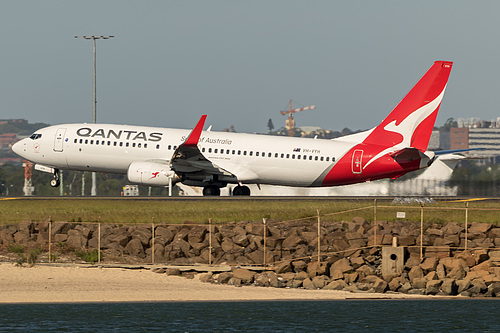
(290, 122)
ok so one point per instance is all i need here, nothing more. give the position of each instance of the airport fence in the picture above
(422, 229)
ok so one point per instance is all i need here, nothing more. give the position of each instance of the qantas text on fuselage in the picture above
(156, 156)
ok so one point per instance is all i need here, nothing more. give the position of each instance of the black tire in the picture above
(211, 190)
(55, 183)
(241, 190)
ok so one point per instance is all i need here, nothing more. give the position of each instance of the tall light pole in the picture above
(94, 99)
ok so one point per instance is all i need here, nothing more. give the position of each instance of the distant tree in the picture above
(346, 131)
(270, 125)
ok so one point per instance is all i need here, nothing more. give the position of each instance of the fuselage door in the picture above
(59, 139)
(357, 165)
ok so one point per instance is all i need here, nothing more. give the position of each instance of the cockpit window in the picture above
(35, 136)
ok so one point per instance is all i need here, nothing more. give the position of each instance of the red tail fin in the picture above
(411, 122)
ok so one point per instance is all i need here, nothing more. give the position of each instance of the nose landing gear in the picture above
(56, 181)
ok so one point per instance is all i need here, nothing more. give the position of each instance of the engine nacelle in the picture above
(151, 174)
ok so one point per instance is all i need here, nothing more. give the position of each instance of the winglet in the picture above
(194, 136)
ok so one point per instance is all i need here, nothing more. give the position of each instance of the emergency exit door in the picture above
(357, 161)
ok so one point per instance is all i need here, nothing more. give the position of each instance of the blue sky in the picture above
(241, 61)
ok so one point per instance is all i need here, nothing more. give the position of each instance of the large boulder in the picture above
(433, 287)
(449, 287)
(135, 248)
(320, 281)
(315, 268)
(335, 285)
(340, 267)
(415, 272)
(197, 234)
(429, 264)
(246, 276)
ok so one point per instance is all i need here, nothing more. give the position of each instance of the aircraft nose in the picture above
(17, 147)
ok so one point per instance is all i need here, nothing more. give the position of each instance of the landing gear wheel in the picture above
(241, 190)
(211, 190)
(56, 181)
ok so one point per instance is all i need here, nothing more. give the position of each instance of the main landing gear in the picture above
(241, 190)
(56, 181)
(211, 190)
(214, 190)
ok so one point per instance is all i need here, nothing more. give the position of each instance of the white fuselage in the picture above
(253, 158)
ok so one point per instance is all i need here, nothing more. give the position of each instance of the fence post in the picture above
(421, 230)
(319, 237)
(374, 222)
(265, 232)
(210, 242)
(50, 240)
(153, 241)
(99, 241)
(466, 222)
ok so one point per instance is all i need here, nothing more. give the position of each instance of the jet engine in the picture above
(151, 174)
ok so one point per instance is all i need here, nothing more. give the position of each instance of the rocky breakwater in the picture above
(350, 254)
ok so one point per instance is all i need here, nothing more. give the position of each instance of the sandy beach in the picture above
(47, 284)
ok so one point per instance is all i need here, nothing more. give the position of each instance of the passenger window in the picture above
(96, 142)
(310, 158)
(216, 150)
(121, 144)
(209, 150)
(109, 143)
(202, 150)
(76, 140)
(256, 153)
(282, 155)
(175, 147)
(239, 152)
(157, 146)
(139, 145)
(315, 158)
(227, 152)
(250, 153)
(133, 145)
(91, 142)
(263, 154)
(126, 144)
(327, 159)
(244, 152)
(269, 154)
(287, 155)
(115, 143)
(321, 158)
(86, 141)
(293, 156)
(298, 157)
(169, 147)
(145, 145)
(333, 159)
(234, 152)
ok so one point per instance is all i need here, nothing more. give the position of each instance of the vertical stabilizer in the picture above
(411, 122)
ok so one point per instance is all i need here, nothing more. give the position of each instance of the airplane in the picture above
(155, 156)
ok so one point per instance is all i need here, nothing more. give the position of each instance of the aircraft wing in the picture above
(189, 161)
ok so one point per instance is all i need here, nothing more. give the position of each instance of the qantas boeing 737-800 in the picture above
(156, 156)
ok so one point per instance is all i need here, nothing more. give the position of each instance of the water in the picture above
(285, 316)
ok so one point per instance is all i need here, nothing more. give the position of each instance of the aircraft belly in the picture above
(297, 175)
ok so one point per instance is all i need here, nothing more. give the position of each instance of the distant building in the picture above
(476, 133)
